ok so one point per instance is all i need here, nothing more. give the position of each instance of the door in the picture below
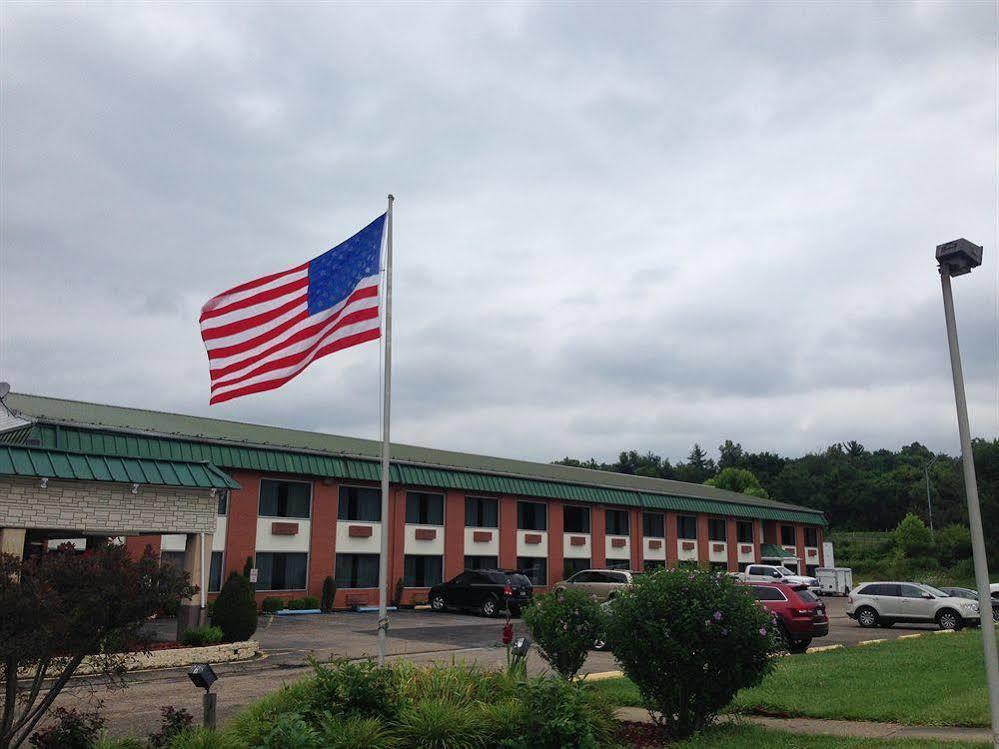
(889, 602)
(913, 603)
(458, 590)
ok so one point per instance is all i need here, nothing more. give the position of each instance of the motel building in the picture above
(210, 494)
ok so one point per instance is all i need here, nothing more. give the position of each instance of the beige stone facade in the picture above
(99, 508)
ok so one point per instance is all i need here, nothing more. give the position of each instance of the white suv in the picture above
(769, 573)
(883, 604)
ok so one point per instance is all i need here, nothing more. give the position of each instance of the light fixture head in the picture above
(958, 257)
(45, 482)
(202, 675)
(135, 488)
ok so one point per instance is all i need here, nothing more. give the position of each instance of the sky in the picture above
(617, 226)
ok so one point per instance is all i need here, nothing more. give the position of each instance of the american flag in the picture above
(263, 333)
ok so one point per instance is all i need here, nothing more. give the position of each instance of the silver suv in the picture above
(884, 604)
(602, 585)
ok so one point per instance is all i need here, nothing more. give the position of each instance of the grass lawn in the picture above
(730, 737)
(936, 680)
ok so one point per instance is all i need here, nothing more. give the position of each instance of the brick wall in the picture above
(99, 507)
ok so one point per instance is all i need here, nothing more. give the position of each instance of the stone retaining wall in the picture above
(176, 657)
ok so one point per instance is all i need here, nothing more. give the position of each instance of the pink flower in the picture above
(718, 616)
(763, 631)
(507, 634)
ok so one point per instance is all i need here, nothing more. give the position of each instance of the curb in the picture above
(602, 675)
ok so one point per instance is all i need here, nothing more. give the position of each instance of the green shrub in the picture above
(172, 723)
(353, 732)
(310, 602)
(439, 724)
(270, 605)
(197, 637)
(295, 604)
(953, 544)
(560, 714)
(291, 731)
(329, 594)
(106, 742)
(689, 641)
(250, 726)
(362, 688)
(459, 683)
(564, 624)
(503, 719)
(236, 609)
(913, 537)
(204, 738)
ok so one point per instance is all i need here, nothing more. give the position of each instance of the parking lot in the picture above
(289, 642)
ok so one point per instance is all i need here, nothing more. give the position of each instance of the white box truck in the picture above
(834, 581)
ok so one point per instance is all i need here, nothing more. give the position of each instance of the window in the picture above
(686, 527)
(531, 516)
(535, 568)
(481, 563)
(743, 566)
(284, 499)
(422, 571)
(223, 502)
(215, 573)
(744, 532)
(811, 569)
(357, 570)
(651, 565)
(360, 503)
(879, 589)
(787, 535)
(572, 566)
(176, 558)
(654, 525)
(766, 593)
(617, 522)
(424, 509)
(811, 537)
(281, 570)
(576, 519)
(910, 591)
(807, 596)
(717, 530)
(619, 564)
(481, 512)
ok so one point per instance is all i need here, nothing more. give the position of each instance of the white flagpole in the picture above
(383, 621)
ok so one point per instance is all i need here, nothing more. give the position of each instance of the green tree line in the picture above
(858, 489)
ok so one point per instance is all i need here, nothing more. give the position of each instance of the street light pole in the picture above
(957, 258)
(929, 502)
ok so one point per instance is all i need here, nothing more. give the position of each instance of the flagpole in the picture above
(383, 622)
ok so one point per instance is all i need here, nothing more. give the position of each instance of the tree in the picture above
(235, 610)
(953, 544)
(60, 608)
(730, 455)
(738, 480)
(913, 537)
(698, 468)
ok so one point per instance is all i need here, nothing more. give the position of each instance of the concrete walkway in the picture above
(857, 729)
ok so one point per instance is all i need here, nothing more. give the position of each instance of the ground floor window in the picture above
(281, 570)
(619, 564)
(215, 573)
(743, 565)
(176, 558)
(423, 571)
(810, 569)
(572, 566)
(536, 569)
(719, 567)
(651, 565)
(793, 566)
(357, 570)
(480, 562)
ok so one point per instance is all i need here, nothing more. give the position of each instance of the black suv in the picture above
(488, 591)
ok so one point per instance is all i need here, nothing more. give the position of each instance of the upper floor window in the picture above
(686, 527)
(811, 537)
(654, 525)
(223, 502)
(481, 512)
(617, 522)
(360, 503)
(424, 509)
(717, 530)
(575, 519)
(787, 535)
(284, 499)
(744, 532)
(532, 516)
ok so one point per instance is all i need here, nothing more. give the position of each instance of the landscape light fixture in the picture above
(956, 259)
(203, 676)
(521, 646)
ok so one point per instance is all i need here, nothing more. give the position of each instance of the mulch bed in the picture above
(639, 735)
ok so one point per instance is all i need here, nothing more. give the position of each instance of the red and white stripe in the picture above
(259, 334)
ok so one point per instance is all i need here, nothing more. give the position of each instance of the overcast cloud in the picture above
(617, 226)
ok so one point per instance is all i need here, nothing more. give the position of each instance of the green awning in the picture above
(39, 462)
(772, 551)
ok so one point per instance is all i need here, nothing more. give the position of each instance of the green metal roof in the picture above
(38, 462)
(115, 430)
(772, 551)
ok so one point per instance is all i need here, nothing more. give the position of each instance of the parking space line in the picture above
(824, 648)
(871, 642)
(909, 637)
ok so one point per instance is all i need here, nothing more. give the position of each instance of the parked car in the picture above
(801, 616)
(602, 585)
(882, 604)
(487, 591)
(972, 595)
(769, 573)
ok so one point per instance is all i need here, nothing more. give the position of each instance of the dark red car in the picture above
(801, 616)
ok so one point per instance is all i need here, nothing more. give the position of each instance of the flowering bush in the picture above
(689, 640)
(564, 623)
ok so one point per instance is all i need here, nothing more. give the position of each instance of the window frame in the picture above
(571, 561)
(535, 530)
(679, 527)
(714, 523)
(336, 560)
(341, 518)
(617, 513)
(479, 500)
(256, 565)
(739, 526)
(581, 508)
(494, 557)
(543, 560)
(211, 564)
(426, 495)
(794, 536)
(646, 516)
(260, 495)
(814, 534)
(423, 557)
